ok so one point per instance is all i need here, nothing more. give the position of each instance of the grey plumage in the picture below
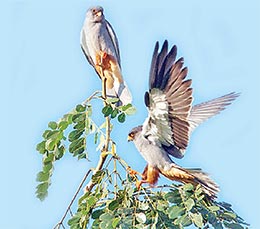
(171, 119)
(100, 46)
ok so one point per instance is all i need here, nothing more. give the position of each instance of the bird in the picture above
(100, 45)
(171, 119)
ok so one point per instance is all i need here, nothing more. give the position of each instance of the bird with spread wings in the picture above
(100, 46)
(171, 119)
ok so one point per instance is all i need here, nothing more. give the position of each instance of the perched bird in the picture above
(171, 119)
(100, 46)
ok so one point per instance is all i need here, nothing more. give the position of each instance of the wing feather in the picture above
(169, 101)
(203, 111)
(114, 40)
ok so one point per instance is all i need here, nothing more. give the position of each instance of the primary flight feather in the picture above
(171, 119)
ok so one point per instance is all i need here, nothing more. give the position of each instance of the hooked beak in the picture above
(99, 13)
(129, 138)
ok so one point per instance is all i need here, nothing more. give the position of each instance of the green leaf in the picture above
(41, 147)
(107, 110)
(50, 144)
(130, 111)
(229, 215)
(97, 213)
(80, 125)
(98, 176)
(114, 204)
(121, 117)
(75, 134)
(47, 167)
(80, 108)
(189, 204)
(197, 219)
(79, 117)
(115, 222)
(188, 187)
(91, 201)
(82, 156)
(74, 220)
(233, 226)
(42, 177)
(114, 113)
(173, 197)
(106, 217)
(96, 137)
(214, 208)
(125, 107)
(41, 190)
(63, 125)
(77, 144)
(53, 125)
(112, 100)
(184, 220)
(48, 158)
(141, 217)
(68, 118)
(59, 152)
(175, 211)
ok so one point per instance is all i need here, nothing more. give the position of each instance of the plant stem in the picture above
(103, 154)
(60, 224)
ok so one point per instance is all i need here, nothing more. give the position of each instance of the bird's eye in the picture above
(93, 11)
(131, 135)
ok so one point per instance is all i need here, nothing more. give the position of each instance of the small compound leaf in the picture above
(125, 107)
(41, 147)
(188, 187)
(42, 190)
(75, 134)
(214, 208)
(114, 113)
(97, 213)
(82, 156)
(115, 222)
(189, 204)
(114, 204)
(63, 125)
(197, 219)
(175, 211)
(112, 100)
(141, 217)
(121, 117)
(77, 144)
(233, 225)
(130, 111)
(79, 117)
(107, 110)
(53, 125)
(42, 177)
(80, 108)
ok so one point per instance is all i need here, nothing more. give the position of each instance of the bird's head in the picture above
(95, 14)
(134, 133)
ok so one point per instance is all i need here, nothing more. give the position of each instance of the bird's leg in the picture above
(133, 172)
(150, 175)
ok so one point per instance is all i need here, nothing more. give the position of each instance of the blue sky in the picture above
(44, 74)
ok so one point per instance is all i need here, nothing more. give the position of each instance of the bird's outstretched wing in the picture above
(203, 111)
(169, 102)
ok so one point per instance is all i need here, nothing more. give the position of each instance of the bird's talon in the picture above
(132, 172)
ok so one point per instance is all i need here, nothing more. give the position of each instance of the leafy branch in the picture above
(111, 199)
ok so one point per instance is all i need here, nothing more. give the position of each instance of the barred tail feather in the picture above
(207, 184)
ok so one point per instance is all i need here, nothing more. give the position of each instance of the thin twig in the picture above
(72, 201)
(103, 154)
